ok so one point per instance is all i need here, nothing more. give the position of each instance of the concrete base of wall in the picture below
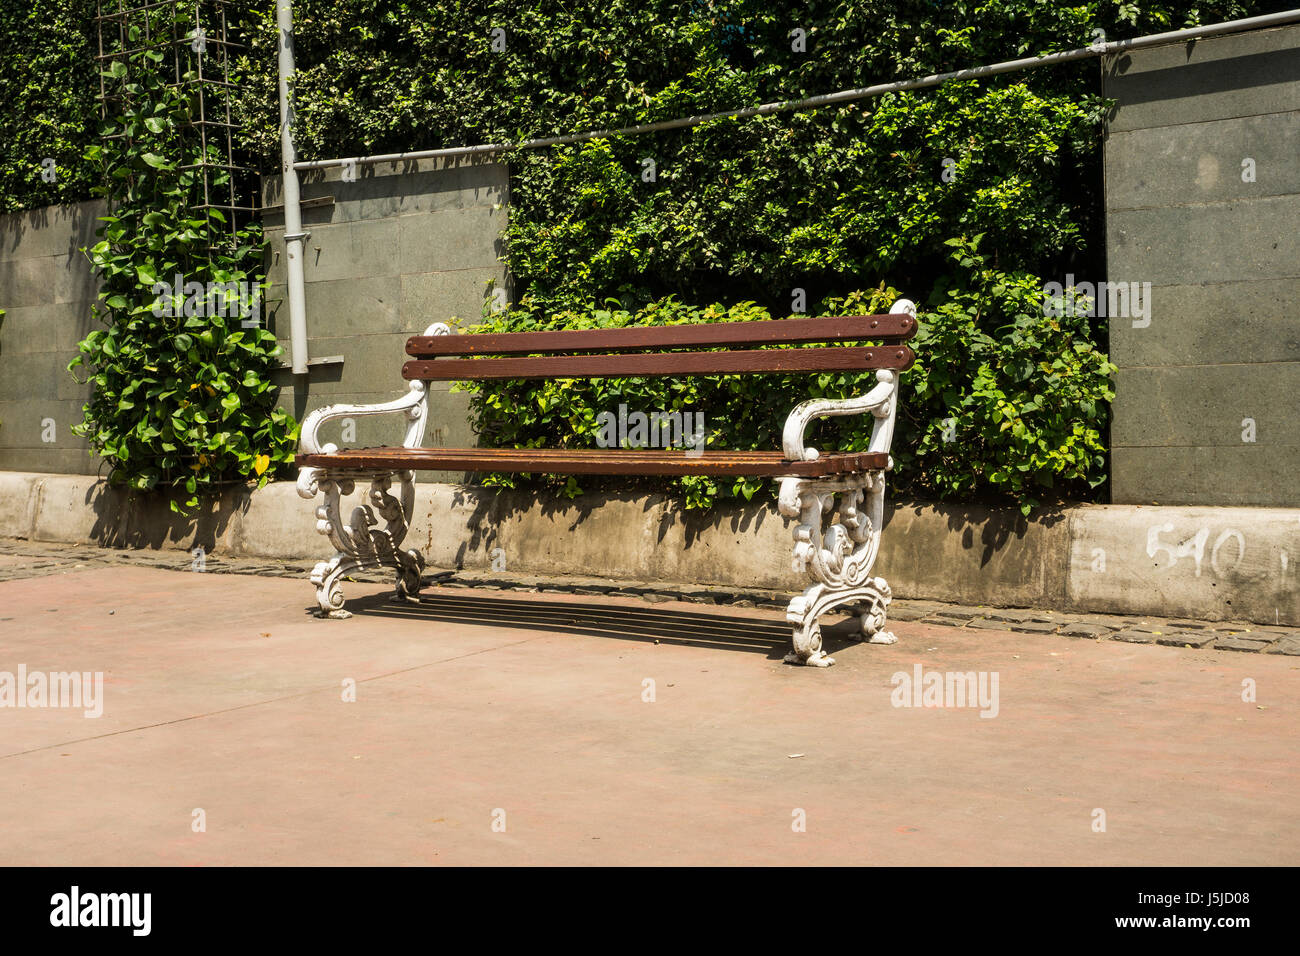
(1197, 562)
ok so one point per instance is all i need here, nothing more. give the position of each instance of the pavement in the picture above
(489, 727)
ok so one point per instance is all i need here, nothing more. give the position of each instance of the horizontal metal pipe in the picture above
(828, 99)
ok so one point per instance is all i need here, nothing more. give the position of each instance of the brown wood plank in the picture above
(836, 358)
(593, 461)
(778, 331)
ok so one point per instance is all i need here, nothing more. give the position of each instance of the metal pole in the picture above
(828, 99)
(294, 237)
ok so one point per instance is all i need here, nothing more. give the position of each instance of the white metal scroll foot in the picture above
(880, 637)
(410, 574)
(819, 659)
(871, 618)
(327, 576)
(807, 636)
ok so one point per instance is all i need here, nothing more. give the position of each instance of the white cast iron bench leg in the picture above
(359, 542)
(839, 557)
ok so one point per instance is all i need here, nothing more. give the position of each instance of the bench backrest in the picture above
(640, 350)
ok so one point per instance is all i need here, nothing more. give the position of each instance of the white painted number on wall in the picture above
(1227, 535)
(1194, 547)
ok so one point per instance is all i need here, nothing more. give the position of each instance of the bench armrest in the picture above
(414, 404)
(881, 402)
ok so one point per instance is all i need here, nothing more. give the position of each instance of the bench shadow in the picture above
(642, 624)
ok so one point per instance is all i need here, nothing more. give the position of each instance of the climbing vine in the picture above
(182, 369)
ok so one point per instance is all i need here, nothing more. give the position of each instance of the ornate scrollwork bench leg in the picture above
(359, 542)
(839, 558)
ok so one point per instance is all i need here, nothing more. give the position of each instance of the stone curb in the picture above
(1179, 563)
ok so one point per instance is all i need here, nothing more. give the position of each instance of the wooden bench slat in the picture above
(892, 327)
(837, 358)
(594, 461)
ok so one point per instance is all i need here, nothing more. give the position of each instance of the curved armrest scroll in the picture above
(881, 402)
(414, 404)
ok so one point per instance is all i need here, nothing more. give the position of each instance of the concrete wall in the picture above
(1223, 258)
(392, 252)
(46, 290)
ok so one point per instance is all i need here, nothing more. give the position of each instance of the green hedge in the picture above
(182, 367)
(1003, 400)
(831, 202)
(742, 213)
(48, 84)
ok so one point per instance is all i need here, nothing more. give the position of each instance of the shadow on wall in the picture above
(355, 206)
(79, 221)
(494, 507)
(996, 526)
(484, 518)
(388, 185)
(132, 519)
(1198, 79)
(995, 531)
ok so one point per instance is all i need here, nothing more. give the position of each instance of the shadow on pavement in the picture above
(648, 624)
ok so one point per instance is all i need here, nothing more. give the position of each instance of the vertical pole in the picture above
(294, 237)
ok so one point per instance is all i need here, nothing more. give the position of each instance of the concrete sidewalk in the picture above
(222, 695)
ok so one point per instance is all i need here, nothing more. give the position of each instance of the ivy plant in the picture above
(183, 397)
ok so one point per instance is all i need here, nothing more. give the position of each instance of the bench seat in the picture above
(596, 461)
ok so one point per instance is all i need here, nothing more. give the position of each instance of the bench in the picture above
(838, 557)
